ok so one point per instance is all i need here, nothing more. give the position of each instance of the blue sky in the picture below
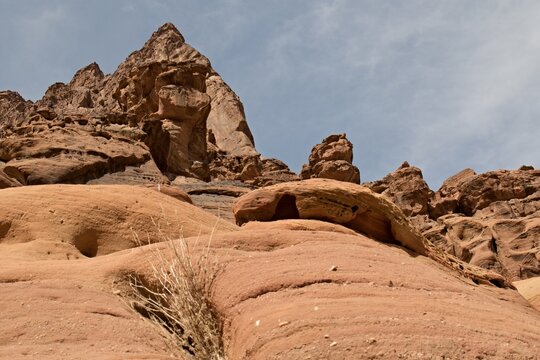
(442, 84)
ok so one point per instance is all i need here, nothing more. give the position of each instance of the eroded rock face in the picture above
(291, 289)
(489, 220)
(332, 159)
(406, 188)
(227, 120)
(480, 191)
(279, 294)
(445, 200)
(147, 119)
(352, 206)
(502, 237)
(7, 181)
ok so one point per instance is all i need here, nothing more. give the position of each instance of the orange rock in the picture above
(332, 159)
(77, 221)
(406, 188)
(149, 117)
(352, 206)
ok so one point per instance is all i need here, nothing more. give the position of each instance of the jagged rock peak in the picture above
(88, 76)
(406, 188)
(166, 45)
(11, 96)
(166, 31)
(167, 38)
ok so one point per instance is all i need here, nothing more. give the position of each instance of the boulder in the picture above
(332, 159)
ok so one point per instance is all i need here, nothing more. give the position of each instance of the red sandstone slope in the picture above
(286, 294)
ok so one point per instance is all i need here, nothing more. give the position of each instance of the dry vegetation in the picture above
(176, 295)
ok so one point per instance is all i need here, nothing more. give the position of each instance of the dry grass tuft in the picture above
(177, 296)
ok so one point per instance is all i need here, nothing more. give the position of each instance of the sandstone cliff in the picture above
(152, 117)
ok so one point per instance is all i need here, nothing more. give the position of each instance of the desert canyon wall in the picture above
(100, 172)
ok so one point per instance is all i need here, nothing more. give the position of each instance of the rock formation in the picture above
(489, 220)
(332, 159)
(352, 206)
(318, 269)
(406, 188)
(314, 293)
(151, 117)
(82, 221)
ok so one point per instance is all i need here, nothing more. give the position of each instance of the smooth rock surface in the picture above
(352, 206)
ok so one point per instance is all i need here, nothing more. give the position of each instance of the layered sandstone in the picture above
(299, 289)
(352, 206)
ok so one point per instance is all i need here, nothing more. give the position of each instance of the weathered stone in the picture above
(352, 206)
(154, 107)
(406, 188)
(332, 159)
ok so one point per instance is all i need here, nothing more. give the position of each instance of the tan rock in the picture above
(13, 109)
(299, 225)
(216, 197)
(353, 206)
(530, 290)
(280, 293)
(6, 181)
(478, 192)
(406, 188)
(183, 104)
(172, 191)
(227, 120)
(154, 107)
(282, 301)
(49, 220)
(332, 159)
(491, 220)
(275, 171)
(68, 156)
(245, 168)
